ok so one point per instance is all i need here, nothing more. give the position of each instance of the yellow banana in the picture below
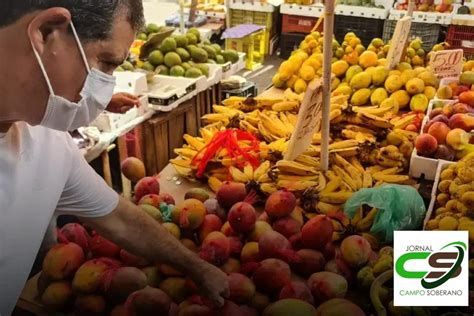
(268, 188)
(248, 171)
(335, 197)
(332, 185)
(183, 171)
(357, 216)
(246, 126)
(373, 110)
(238, 176)
(343, 144)
(316, 138)
(292, 118)
(390, 178)
(278, 130)
(216, 117)
(346, 152)
(401, 123)
(285, 106)
(206, 134)
(214, 183)
(350, 169)
(295, 168)
(266, 102)
(322, 182)
(408, 134)
(308, 160)
(186, 152)
(264, 178)
(385, 162)
(334, 114)
(367, 180)
(287, 177)
(365, 223)
(328, 208)
(196, 143)
(406, 148)
(357, 164)
(373, 120)
(361, 129)
(184, 163)
(346, 178)
(261, 170)
(296, 185)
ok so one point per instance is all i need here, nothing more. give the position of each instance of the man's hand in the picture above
(213, 283)
(132, 229)
(122, 102)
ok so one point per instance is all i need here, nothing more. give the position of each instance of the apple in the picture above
(440, 118)
(457, 138)
(462, 121)
(435, 112)
(426, 145)
(461, 108)
(448, 110)
(444, 152)
(439, 130)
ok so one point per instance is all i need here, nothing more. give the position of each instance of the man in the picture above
(56, 58)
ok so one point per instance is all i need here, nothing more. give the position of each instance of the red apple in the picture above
(426, 144)
(439, 130)
(440, 118)
(462, 121)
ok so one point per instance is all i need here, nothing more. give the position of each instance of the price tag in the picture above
(399, 41)
(309, 121)
(447, 63)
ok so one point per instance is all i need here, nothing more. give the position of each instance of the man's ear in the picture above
(47, 25)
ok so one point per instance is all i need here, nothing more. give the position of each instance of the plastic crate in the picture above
(248, 90)
(365, 28)
(267, 19)
(429, 33)
(289, 42)
(298, 24)
(458, 36)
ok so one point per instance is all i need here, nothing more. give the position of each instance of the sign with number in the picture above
(447, 63)
(399, 42)
(309, 121)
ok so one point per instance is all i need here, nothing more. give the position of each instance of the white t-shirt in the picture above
(41, 170)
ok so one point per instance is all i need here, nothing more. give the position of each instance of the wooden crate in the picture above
(164, 132)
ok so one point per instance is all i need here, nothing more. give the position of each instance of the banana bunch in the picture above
(250, 104)
(222, 114)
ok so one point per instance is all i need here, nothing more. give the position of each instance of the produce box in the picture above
(248, 90)
(366, 28)
(166, 93)
(314, 11)
(289, 42)
(423, 17)
(431, 208)
(462, 36)
(420, 165)
(360, 11)
(108, 122)
(298, 24)
(428, 32)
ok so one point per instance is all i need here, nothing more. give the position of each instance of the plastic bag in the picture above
(400, 207)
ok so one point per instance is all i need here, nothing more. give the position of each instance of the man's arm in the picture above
(132, 229)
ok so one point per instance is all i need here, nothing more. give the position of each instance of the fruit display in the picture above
(276, 259)
(454, 202)
(245, 139)
(360, 73)
(447, 133)
(445, 6)
(182, 55)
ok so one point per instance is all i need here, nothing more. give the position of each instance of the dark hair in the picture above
(93, 19)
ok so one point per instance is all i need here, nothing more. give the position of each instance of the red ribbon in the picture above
(229, 139)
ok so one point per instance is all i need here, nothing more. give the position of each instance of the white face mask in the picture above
(64, 115)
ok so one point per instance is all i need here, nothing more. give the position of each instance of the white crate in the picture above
(165, 101)
(215, 74)
(363, 12)
(314, 11)
(253, 5)
(463, 19)
(423, 165)
(109, 122)
(131, 82)
(441, 166)
(423, 17)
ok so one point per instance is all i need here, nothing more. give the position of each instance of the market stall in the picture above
(295, 193)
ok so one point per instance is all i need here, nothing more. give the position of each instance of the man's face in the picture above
(66, 68)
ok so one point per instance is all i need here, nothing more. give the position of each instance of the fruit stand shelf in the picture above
(315, 11)
(363, 12)
(423, 17)
(463, 19)
(253, 6)
(209, 14)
